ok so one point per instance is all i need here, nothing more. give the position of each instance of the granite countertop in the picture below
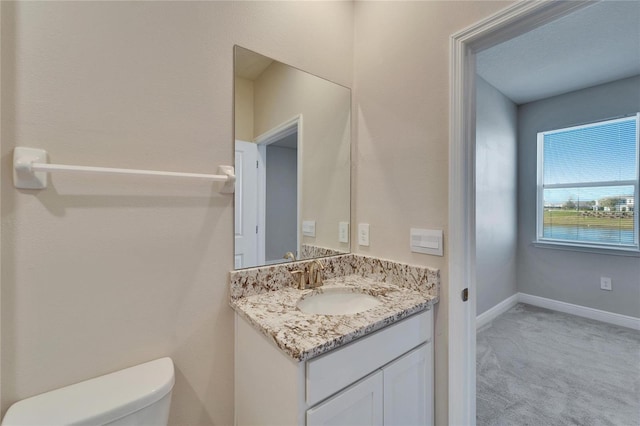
(303, 336)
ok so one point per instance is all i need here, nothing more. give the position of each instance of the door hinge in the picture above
(465, 294)
(257, 164)
(256, 229)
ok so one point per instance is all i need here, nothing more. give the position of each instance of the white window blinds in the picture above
(588, 184)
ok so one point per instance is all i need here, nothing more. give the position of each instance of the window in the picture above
(588, 185)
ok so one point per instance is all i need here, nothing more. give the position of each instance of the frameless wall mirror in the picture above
(292, 162)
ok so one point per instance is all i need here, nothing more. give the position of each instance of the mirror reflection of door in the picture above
(266, 199)
(272, 101)
(246, 205)
(280, 160)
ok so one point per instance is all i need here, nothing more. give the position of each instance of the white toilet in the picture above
(139, 395)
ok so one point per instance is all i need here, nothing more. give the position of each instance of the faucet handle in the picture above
(300, 277)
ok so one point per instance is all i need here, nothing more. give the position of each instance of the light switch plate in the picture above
(309, 228)
(363, 234)
(426, 241)
(343, 232)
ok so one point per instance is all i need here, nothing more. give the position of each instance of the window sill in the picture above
(611, 251)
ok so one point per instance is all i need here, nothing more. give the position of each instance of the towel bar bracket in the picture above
(229, 185)
(23, 176)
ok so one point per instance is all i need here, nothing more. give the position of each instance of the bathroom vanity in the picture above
(359, 348)
(374, 367)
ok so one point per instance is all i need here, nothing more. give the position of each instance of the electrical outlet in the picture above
(343, 232)
(363, 234)
(309, 228)
(605, 283)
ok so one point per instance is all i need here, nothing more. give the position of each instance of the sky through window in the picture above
(596, 153)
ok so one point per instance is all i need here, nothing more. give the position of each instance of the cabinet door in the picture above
(408, 388)
(359, 404)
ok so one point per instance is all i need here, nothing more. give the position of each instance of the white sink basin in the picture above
(337, 301)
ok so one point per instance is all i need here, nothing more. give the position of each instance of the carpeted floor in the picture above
(541, 367)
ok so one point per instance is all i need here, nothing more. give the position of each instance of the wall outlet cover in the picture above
(309, 228)
(363, 234)
(605, 283)
(343, 232)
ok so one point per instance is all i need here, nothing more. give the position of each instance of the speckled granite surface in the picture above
(307, 251)
(266, 298)
(248, 282)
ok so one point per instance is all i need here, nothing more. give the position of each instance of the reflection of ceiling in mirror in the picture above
(290, 142)
(249, 64)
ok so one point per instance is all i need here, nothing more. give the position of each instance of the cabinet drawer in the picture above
(327, 374)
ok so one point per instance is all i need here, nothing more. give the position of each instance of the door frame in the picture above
(246, 201)
(506, 24)
(273, 135)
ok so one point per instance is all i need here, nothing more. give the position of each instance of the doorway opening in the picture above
(279, 175)
(505, 25)
(268, 196)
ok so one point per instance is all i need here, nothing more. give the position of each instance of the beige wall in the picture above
(281, 93)
(100, 273)
(243, 116)
(401, 93)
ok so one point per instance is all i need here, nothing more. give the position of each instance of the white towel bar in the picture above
(30, 170)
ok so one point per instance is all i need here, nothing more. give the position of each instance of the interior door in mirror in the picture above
(300, 126)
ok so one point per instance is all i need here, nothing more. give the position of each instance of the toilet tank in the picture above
(140, 395)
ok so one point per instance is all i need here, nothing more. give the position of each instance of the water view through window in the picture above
(590, 183)
(604, 229)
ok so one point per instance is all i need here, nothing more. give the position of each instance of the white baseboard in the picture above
(581, 311)
(555, 305)
(491, 314)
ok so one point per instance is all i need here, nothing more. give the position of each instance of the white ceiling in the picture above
(595, 45)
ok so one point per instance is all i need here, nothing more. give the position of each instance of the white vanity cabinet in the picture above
(384, 378)
(359, 404)
(398, 394)
(408, 388)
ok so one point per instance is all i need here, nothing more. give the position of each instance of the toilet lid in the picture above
(97, 401)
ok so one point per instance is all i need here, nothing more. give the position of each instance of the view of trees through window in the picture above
(584, 221)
